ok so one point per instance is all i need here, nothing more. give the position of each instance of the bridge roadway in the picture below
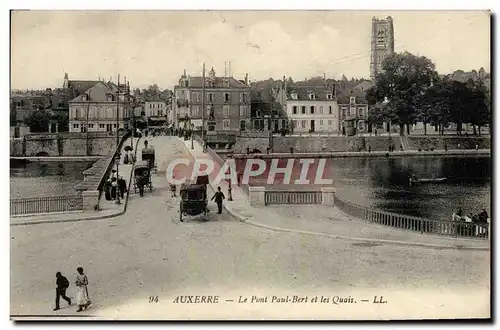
(149, 252)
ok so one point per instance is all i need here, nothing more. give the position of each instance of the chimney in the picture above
(246, 79)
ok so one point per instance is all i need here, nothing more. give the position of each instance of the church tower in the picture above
(382, 44)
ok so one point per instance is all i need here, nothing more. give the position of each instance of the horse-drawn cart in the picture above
(148, 155)
(142, 177)
(194, 200)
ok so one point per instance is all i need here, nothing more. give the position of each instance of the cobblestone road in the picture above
(148, 252)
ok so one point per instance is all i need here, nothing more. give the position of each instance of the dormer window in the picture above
(329, 96)
(111, 97)
(225, 82)
(294, 95)
(352, 99)
(312, 96)
(85, 97)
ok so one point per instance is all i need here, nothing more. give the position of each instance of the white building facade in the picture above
(99, 110)
(312, 110)
(155, 109)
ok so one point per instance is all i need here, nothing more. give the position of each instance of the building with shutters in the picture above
(311, 108)
(98, 108)
(226, 104)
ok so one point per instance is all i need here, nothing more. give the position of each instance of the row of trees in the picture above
(410, 90)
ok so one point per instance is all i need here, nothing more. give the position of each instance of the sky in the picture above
(156, 46)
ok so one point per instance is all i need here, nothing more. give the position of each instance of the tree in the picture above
(435, 105)
(62, 121)
(13, 114)
(404, 79)
(478, 104)
(38, 121)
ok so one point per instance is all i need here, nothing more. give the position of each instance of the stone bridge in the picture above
(57, 145)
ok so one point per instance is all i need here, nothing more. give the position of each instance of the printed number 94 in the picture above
(153, 299)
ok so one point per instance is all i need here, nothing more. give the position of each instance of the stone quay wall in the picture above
(300, 144)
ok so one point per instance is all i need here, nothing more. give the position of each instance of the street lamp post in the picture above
(117, 161)
(192, 136)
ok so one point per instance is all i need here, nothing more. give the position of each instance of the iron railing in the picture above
(36, 205)
(446, 228)
(293, 197)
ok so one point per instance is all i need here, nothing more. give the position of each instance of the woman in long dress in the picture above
(82, 293)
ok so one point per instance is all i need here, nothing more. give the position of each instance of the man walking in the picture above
(122, 186)
(62, 284)
(219, 197)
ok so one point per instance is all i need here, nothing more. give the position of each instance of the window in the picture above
(91, 125)
(344, 112)
(328, 96)
(225, 124)
(321, 109)
(294, 109)
(196, 96)
(330, 109)
(226, 97)
(195, 111)
(361, 125)
(77, 113)
(321, 122)
(225, 110)
(312, 109)
(312, 96)
(303, 110)
(329, 123)
(210, 97)
(361, 112)
(101, 125)
(352, 99)
(211, 127)
(243, 125)
(243, 97)
(243, 111)
(114, 125)
(259, 94)
(294, 95)
(75, 125)
(303, 123)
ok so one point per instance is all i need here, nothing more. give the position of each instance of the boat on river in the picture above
(427, 180)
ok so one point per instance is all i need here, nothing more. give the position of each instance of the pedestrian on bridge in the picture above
(62, 284)
(219, 197)
(82, 293)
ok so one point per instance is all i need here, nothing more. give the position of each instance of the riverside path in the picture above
(139, 262)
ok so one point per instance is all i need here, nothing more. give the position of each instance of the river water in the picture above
(377, 182)
(37, 179)
(382, 183)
